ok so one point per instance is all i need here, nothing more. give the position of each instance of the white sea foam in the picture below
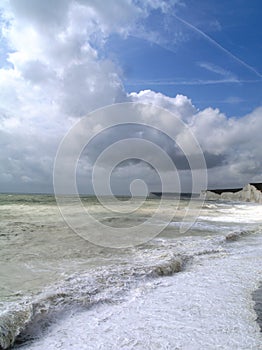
(208, 306)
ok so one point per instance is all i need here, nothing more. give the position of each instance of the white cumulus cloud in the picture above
(55, 73)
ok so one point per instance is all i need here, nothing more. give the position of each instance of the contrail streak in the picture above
(191, 82)
(218, 45)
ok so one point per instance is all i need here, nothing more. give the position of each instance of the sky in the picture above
(62, 60)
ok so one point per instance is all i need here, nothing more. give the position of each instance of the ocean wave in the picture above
(168, 268)
(209, 206)
(29, 318)
(124, 221)
(12, 323)
(32, 316)
(236, 235)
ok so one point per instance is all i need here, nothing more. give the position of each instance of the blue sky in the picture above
(211, 52)
(61, 60)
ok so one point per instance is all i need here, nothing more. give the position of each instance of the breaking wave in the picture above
(236, 235)
(29, 318)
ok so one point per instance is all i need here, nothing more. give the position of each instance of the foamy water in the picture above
(177, 291)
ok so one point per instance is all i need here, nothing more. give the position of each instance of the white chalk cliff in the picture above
(249, 193)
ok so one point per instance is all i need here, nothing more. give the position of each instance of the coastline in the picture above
(251, 192)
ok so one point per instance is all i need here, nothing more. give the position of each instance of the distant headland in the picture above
(251, 192)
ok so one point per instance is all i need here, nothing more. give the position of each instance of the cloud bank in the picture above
(55, 72)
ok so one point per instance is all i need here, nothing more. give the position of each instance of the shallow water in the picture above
(177, 291)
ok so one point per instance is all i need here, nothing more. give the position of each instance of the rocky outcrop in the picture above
(249, 193)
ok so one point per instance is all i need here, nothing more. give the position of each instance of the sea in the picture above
(181, 289)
